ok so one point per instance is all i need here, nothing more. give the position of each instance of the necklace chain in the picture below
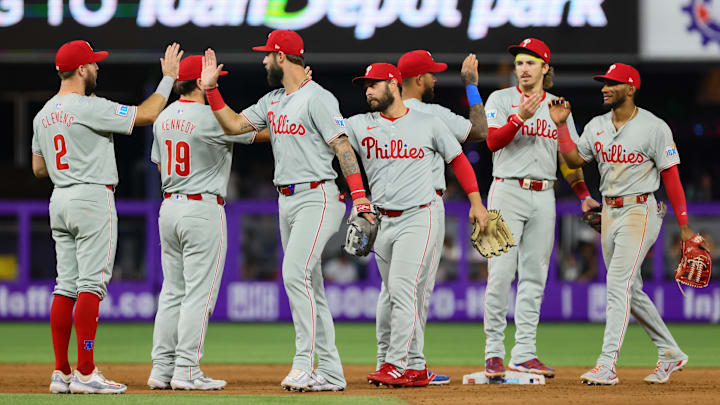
(629, 118)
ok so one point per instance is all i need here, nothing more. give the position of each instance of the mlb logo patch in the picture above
(491, 114)
(340, 122)
(670, 151)
(122, 110)
(58, 106)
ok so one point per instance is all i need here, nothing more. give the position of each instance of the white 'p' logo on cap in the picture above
(611, 68)
(526, 42)
(368, 69)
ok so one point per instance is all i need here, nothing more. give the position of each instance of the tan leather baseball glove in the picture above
(495, 239)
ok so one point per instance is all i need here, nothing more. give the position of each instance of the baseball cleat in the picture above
(320, 383)
(202, 383)
(533, 366)
(663, 370)
(600, 375)
(157, 384)
(60, 382)
(387, 375)
(297, 380)
(417, 378)
(494, 368)
(94, 383)
(438, 379)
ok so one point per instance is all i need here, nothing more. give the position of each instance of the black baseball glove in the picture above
(593, 217)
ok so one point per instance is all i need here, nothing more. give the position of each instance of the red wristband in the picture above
(565, 142)
(354, 181)
(580, 189)
(215, 99)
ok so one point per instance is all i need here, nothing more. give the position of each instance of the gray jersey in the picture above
(73, 133)
(533, 151)
(192, 150)
(398, 155)
(630, 159)
(302, 125)
(459, 128)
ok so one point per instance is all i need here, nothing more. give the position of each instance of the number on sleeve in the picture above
(60, 151)
(182, 158)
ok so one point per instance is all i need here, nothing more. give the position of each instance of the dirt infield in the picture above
(692, 385)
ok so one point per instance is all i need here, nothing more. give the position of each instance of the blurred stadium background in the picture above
(675, 44)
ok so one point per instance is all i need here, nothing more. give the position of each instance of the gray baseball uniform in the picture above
(399, 157)
(194, 156)
(630, 161)
(302, 124)
(530, 215)
(73, 134)
(460, 128)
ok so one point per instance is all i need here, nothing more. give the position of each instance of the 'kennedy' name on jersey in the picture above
(178, 125)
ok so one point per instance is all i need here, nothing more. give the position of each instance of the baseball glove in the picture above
(361, 233)
(695, 265)
(593, 217)
(495, 239)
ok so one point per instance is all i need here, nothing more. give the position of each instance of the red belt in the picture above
(111, 188)
(397, 213)
(535, 185)
(619, 202)
(290, 188)
(220, 200)
(440, 192)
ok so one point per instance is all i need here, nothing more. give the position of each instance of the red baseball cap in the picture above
(191, 68)
(416, 63)
(533, 46)
(379, 71)
(76, 53)
(622, 73)
(285, 41)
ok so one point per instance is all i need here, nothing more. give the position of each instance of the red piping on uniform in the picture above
(489, 204)
(627, 290)
(407, 110)
(107, 259)
(304, 82)
(251, 123)
(212, 286)
(417, 275)
(184, 100)
(433, 270)
(307, 289)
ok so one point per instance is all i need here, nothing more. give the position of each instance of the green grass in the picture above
(445, 343)
(190, 399)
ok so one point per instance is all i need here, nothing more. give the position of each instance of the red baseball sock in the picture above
(86, 321)
(61, 321)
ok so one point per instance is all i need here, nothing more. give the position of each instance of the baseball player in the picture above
(418, 82)
(194, 156)
(72, 144)
(633, 149)
(306, 132)
(523, 140)
(398, 147)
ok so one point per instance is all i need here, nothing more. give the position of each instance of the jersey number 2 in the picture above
(182, 158)
(60, 151)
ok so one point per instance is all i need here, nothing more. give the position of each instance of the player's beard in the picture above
(90, 84)
(381, 104)
(274, 75)
(617, 103)
(428, 95)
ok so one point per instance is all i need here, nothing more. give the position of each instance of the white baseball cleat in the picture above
(94, 383)
(157, 384)
(297, 380)
(202, 383)
(60, 382)
(662, 372)
(600, 375)
(321, 383)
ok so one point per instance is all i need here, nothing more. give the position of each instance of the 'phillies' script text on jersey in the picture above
(283, 126)
(541, 129)
(397, 150)
(617, 154)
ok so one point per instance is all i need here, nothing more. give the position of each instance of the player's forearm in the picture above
(575, 178)
(676, 194)
(38, 167)
(349, 166)
(568, 149)
(499, 138)
(479, 130)
(230, 122)
(475, 199)
(262, 136)
(148, 111)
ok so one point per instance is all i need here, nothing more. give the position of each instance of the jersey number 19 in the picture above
(182, 158)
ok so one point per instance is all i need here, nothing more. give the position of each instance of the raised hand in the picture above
(469, 70)
(308, 73)
(529, 105)
(210, 70)
(170, 64)
(559, 110)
